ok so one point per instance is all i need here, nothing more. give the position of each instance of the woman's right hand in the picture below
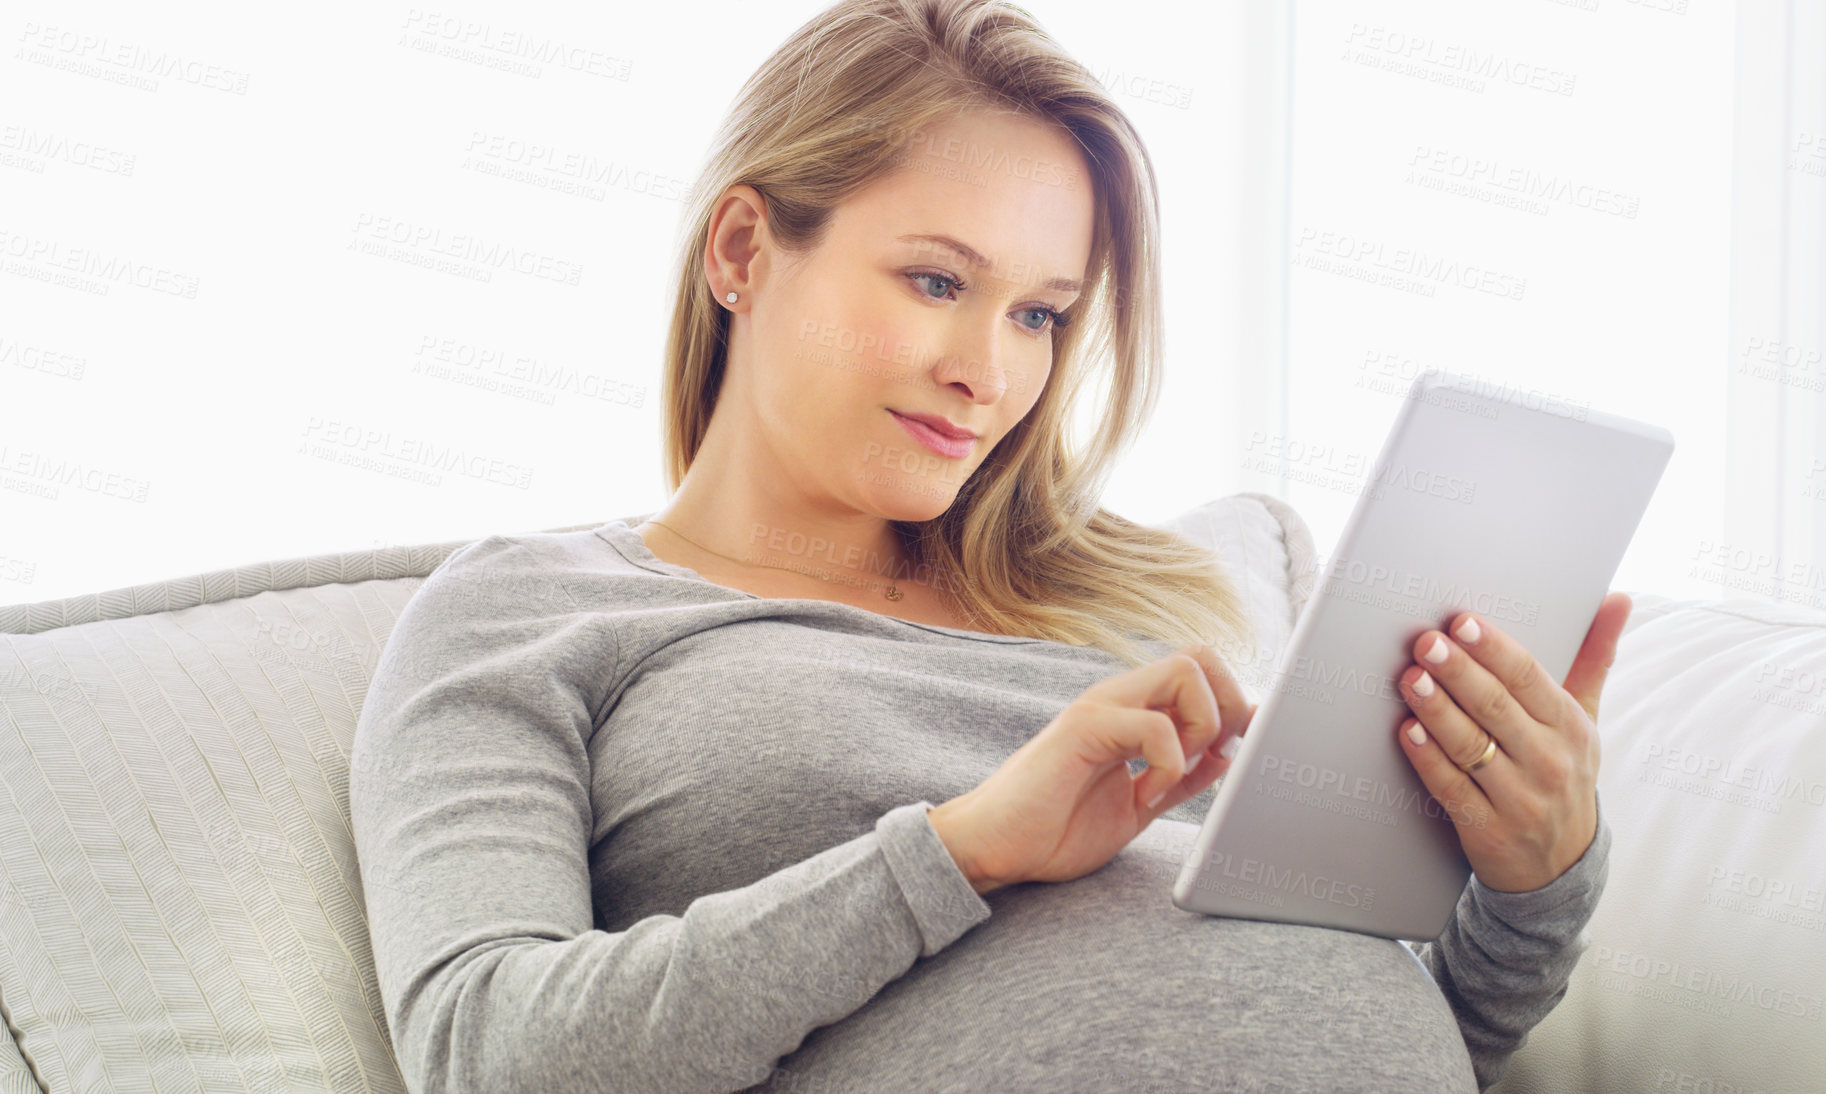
(1065, 802)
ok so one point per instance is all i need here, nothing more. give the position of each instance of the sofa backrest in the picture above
(180, 904)
(1706, 972)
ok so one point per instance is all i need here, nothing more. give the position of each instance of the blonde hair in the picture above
(1024, 547)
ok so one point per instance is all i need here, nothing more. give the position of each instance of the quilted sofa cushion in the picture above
(1707, 967)
(1275, 565)
(180, 907)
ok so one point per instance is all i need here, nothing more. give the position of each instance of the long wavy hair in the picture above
(1024, 548)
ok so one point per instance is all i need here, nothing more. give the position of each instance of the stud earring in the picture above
(730, 298)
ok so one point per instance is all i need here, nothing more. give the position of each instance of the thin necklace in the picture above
(893, 591)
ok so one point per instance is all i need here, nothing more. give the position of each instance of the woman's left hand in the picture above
(1527, 813)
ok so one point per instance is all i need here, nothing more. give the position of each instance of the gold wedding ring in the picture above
(1489, 751)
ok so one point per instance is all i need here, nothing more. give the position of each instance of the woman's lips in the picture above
(955, 448)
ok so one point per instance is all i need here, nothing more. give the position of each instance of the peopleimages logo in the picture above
(1350, 579)
(1468, 62)
(1365, 253)
(1522, 181)
(985, 158)
(1265, 875)
(1680, 983)
(1334, 791)
(1715, 776)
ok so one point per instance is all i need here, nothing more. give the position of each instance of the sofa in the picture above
(180, 908)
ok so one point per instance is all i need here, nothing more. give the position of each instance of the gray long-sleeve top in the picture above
(622, 829)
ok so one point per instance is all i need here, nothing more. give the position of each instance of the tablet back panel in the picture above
(1477, 502)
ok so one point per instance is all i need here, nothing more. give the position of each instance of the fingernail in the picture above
(1468, 631)
(1155, 800)
(1417, 735)
(1193, 764)
(1230, 748)
(1437, 653)
(1422, 685)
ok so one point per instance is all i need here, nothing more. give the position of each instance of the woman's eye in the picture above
(1046, 316)
(950, 284)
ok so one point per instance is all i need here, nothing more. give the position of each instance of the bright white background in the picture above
(1584, 114)
(190, 416)
(145, 435)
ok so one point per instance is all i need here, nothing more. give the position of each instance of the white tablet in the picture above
(1483, 499)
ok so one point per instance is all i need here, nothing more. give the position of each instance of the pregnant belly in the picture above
(1101, 984)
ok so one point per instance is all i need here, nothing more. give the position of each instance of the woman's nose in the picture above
(978, 368)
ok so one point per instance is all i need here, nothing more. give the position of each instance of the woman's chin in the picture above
(911, 504)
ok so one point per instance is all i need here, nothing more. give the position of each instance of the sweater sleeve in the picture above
(471, 812)
(1505, 959)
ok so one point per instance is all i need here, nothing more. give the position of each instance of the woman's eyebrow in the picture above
(1062, 284)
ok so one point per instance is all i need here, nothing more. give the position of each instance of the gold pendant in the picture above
(894, 592)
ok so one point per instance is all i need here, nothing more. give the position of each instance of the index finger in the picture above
(1232, 705)
(1179, 683)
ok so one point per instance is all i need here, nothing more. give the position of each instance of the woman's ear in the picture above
(736, 250)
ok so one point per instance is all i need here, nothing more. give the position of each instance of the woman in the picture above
(649, 807)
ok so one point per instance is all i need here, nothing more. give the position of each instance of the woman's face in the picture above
(839, 345)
